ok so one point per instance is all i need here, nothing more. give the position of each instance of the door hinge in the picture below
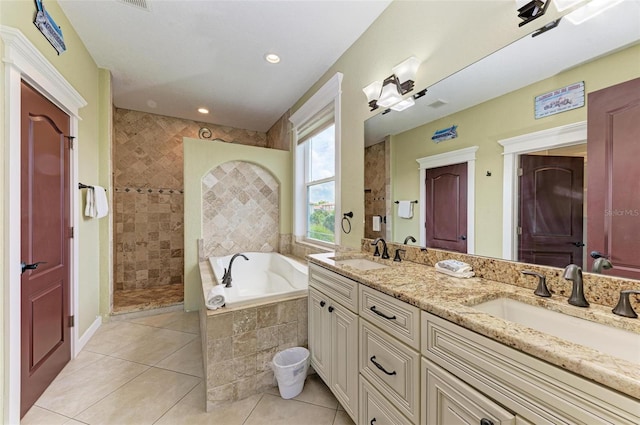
(519, 230)
(71, 232)
(72, 321)
(71, 139)
(520, 172)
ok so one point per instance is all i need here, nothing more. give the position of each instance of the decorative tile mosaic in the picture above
(240, 209)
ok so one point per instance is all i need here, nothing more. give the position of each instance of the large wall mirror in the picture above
(492, 104)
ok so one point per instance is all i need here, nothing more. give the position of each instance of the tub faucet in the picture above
(409, 238)
(385, 252)
(574, 274)
(601, 263)
(226, 278)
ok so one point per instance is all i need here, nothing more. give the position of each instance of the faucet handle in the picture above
(541, 290)
(623, 308)
(397, 256)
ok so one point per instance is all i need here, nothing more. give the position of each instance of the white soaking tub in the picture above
(266, 277)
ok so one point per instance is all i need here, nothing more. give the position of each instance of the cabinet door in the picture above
(319, 333)
(449, 401)
(344, 357)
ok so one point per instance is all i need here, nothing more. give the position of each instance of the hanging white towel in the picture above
(376, 223)
(215, 297)
(100, 198)
(90, 207)
(405, 209)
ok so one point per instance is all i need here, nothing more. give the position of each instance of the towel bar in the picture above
(413, 202)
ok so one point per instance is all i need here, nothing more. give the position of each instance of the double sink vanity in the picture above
(400, 343)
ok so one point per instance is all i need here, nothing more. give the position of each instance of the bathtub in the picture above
(266, 277)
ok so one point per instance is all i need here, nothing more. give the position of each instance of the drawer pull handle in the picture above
(379, 366)
(372, 421)
(373, 308)
(322, 303)
(485, 421)
(331, 309)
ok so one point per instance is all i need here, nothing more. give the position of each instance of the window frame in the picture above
(328, 94)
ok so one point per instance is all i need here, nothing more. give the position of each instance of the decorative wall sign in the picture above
(49, 29)
(445, 134)
(560, 100)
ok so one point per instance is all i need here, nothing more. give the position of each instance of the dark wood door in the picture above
(45, 333)
(551, 210)
(613, 149)
(446, 215)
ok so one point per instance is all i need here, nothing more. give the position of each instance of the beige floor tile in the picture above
(316, 392)
(191, 411)
(73, 422)
(155, 345)
(187, 360)
(142, 401)
(342, 418)
(39, 416)
(74, 392)
(82, 360)
(113, 336)
(177, 321)
(274, 410)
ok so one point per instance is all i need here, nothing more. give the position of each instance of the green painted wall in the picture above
(200, 156)
(483, 125)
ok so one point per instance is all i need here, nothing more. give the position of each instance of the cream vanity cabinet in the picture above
(389, 359)
(333, 334)
(468, 378)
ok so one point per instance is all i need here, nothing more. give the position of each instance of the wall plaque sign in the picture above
(49, 28)
(560, 100)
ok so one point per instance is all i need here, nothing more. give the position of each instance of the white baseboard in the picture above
(82, 341)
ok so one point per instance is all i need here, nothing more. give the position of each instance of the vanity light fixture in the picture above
(562, 5)
(388, 93)
(590, 10)
(532, 10)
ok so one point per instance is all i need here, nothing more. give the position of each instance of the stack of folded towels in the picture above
(454, 268)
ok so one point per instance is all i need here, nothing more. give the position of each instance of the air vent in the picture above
(139, 4)
(438, 103)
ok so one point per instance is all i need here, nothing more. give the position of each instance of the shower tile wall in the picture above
(240, 209)
(148, 194)
(376, 187)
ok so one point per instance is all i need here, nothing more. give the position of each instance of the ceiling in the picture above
(171, 57)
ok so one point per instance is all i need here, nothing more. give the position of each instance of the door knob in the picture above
(33, 266)
(597, 254)
(579, 244)
(463, 238)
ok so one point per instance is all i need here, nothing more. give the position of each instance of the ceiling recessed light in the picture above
(272, 58)
(203, 110)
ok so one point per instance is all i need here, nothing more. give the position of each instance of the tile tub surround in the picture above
(239, 343)
(451, 298)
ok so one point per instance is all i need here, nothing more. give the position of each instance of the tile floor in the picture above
(148, 370)
(128, 300)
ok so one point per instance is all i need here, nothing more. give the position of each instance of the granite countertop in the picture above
(450, 298)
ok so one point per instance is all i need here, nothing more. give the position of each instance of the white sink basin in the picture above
(361, 264)
(607, 339)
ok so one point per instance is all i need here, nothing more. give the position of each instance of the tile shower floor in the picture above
(148, 370)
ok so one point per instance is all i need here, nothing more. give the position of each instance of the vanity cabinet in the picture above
(483, 373)
(333, 334)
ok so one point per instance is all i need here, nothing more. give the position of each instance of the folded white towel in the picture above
(90, 207)
(454, 268)
(215, 297)
(455, 274)
(100, 199)
(405, 209)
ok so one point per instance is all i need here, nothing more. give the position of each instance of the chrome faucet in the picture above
(385, 252)
(409, 238)
(574, 274)
(226, 278)
(601, 263)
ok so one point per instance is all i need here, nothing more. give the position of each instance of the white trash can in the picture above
(290, 368)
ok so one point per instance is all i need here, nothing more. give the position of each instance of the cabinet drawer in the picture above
(375, 409)
(340, 288)
(398, 318)
(392, 368)
(532, 388)
(449, 401)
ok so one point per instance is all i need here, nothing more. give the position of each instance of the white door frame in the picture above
(459, 156)
(557, 137)
(23, 61)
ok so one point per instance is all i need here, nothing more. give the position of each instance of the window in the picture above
(316, 192)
